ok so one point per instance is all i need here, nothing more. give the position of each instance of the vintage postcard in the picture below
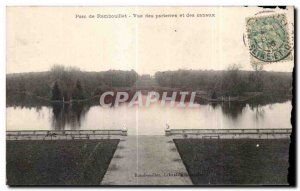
(149, 96)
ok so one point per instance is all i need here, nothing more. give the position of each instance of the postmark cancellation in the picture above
(268, 39)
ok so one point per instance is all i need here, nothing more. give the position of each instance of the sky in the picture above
(40, 37)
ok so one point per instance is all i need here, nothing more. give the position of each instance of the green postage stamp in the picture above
(268, 39)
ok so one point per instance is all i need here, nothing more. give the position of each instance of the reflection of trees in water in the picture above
(257, 105)
(65, 114)
(233, 109)
(25, 101)
(259, 110)
(71, 115)
(259, 113)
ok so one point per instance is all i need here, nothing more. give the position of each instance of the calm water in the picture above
(151, 120)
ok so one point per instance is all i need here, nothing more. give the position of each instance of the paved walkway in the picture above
(146, 160)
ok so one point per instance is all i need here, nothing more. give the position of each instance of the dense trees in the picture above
(66, 78)
(78, 93)
(56, 93)
(233, 81)
(71, 82)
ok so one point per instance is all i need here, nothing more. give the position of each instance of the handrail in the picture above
(64, 133)
(64, 130)
(238, 129)
(228, 131)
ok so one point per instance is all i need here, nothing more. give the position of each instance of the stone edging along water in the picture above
(64, 134)
(275, 133)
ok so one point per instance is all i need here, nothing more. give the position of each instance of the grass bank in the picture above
(243, 162)
(61, 162)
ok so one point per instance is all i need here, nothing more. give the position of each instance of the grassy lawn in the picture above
(61, 162)
(235, 161)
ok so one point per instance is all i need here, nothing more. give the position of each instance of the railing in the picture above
(231, 133)
(62, 134)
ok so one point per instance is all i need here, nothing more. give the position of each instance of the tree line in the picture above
(68, 83)
(232, 81)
